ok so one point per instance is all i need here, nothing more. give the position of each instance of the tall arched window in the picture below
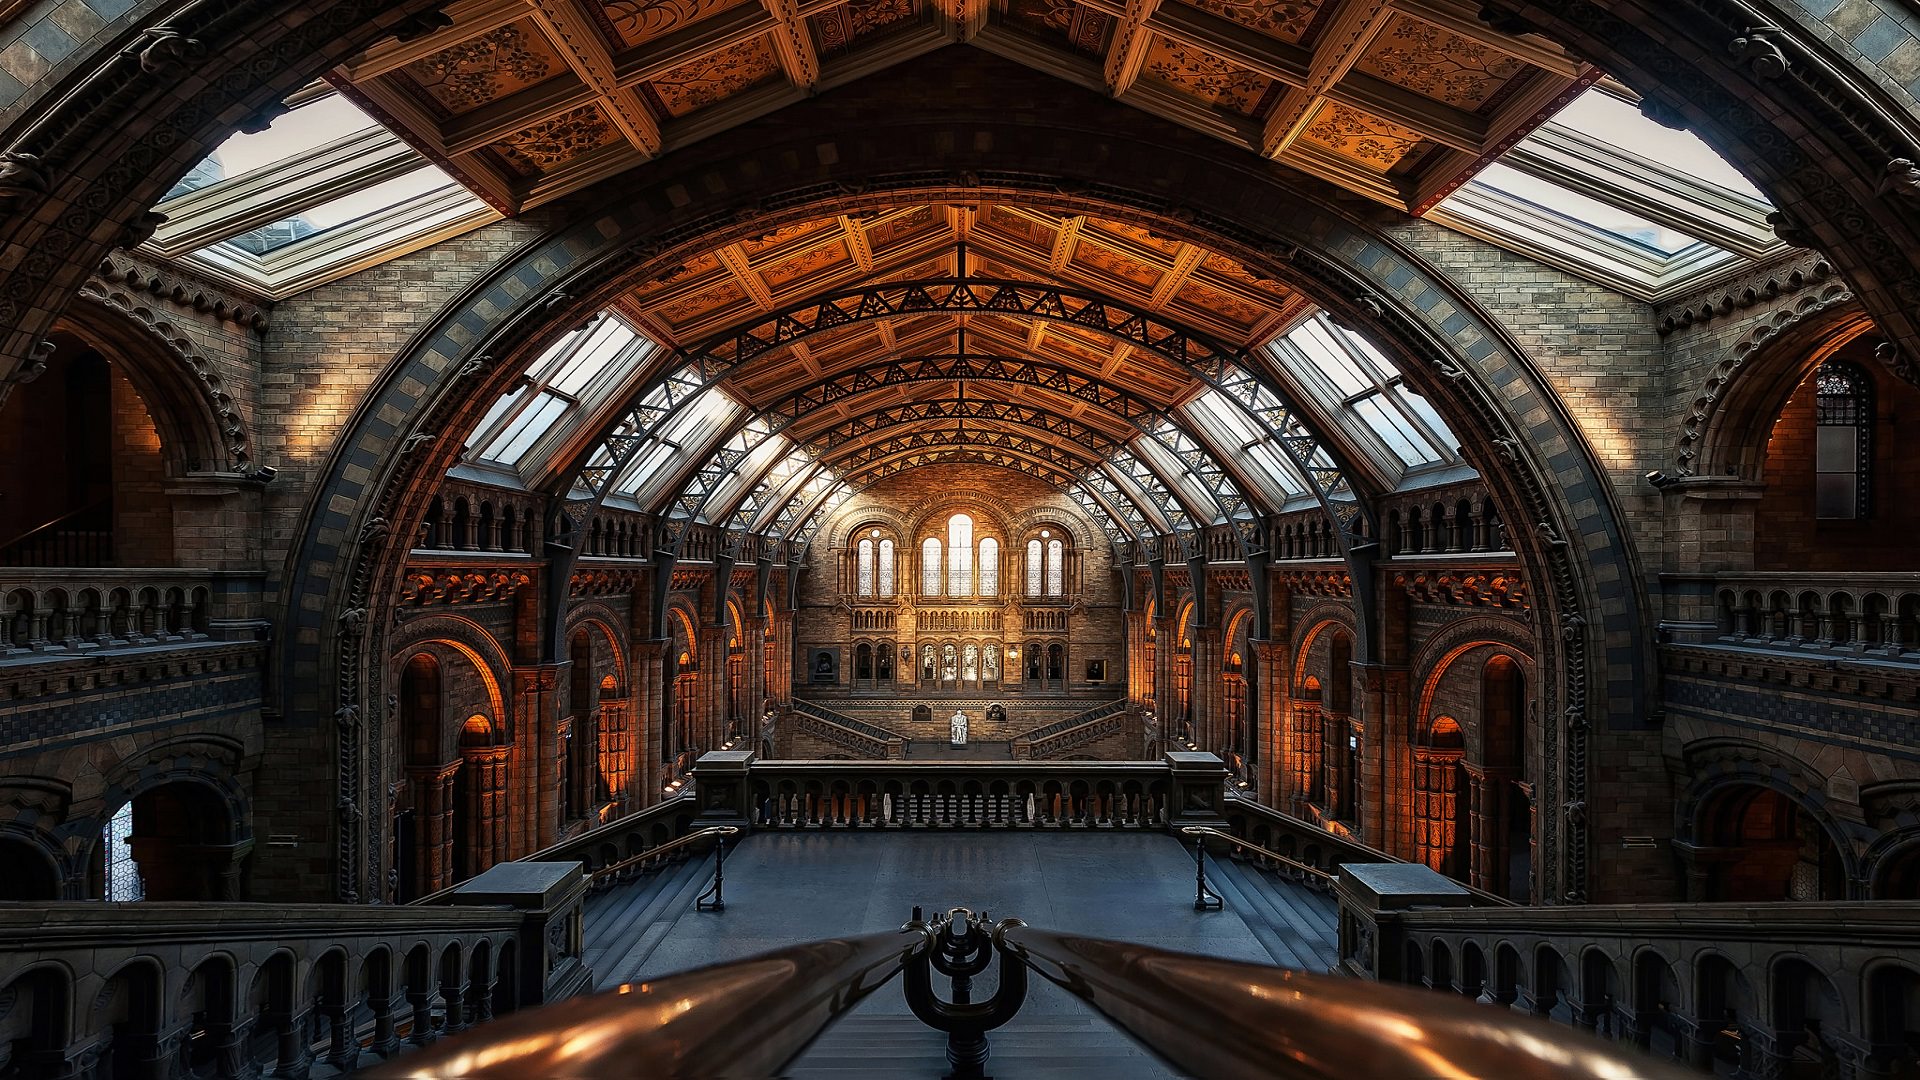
(1843, 447)
(959, 555)
(1035, 567)
(863, 569)
(1056, 573)
(989, 567)
(886, 567)
(930, 567)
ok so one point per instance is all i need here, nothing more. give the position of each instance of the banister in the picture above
(708, 833)
(1368, 853)
(563, 850)
(1226, 1018)
(744, 1018)
(1221, 834)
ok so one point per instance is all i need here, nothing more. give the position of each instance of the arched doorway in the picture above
(179, 840)
(30, 874)
(1759, 844)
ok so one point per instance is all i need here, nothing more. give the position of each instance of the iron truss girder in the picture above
(1219, 365)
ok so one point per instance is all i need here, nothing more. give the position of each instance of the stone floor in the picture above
(784, 888)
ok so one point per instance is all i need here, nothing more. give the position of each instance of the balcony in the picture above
(1874, 617)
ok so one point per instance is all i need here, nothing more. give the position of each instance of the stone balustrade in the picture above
(1866, 615)
(64, 612)
(1180, 789)
(164, 990)
(1773, 989)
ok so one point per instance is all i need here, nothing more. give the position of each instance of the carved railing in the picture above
(856, 736)
(242, 989)
(1180, 789)
(1868, 615)
(1769, 989)
(1302, 841)
(64, 612)
(1072, 732)
(874, 619)
(935, 620)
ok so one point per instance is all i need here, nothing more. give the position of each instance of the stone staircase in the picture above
(624, 925)
(1299, 927)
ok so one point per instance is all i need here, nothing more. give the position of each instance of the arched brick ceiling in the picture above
(1398, 100)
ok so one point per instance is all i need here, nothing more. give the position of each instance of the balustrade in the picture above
(1722, 987)
(874, 619)
(270, 989)
(1045, 620)
(66, 611)
(1863, 614)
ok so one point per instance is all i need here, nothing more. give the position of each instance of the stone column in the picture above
(432, 787)
(1386, 785)
(615, 752)
(649, 699)
(488, 837)
(1209, 704)
(711, 718)
(537, 757)
(1272, 680)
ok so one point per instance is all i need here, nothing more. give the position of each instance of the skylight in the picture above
(1611, 120)
(343, 211)
(1589, 211)
(298, 131)
(1364, 392)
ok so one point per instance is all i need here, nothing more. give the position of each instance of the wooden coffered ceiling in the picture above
(525, 100)
(739, 283)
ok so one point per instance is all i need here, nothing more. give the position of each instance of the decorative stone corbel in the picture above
(22, 175)
(140, 230)
(168, 50)
(1762, 54)
(34, 366)
(1789, 229)
(1901, 177)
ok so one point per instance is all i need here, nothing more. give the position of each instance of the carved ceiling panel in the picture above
(1285, 20)
(1074, 27)
(485, 69)
(551, 144)
(1439, 64)
(843, 28)
(1398, 100)
(629, 24)
(1207, 78)
(713, 78)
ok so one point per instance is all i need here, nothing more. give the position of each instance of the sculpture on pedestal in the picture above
(957, 727)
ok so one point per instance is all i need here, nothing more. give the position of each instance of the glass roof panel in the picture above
(316, 123)
(607, 337)
(1314, 339)
(512, 443)
(341, 211)
(1420, 407)
(1411, 447)
(1609, 119)
(1584, 209)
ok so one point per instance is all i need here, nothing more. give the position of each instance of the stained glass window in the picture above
(864, 568)
(959, 555)
(989, 567)
(1036, 564)
(930, 567)
(886, 568)
(122, 873)
(1056, 574)
(1843, 441)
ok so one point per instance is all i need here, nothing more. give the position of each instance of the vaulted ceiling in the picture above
(526, 100)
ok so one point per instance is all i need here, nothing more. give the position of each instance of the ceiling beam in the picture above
(1129, 49)
(793, 44)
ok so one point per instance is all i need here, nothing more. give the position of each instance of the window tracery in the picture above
(1843, 441)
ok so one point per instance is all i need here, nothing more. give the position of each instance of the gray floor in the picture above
(785, 888)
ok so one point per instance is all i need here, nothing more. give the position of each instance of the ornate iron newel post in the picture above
(962, 947)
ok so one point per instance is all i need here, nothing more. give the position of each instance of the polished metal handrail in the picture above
(744, 1018)
(1222, 834)
(672, 845)
(1225, 1018)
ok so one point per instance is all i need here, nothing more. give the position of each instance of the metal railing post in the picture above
(719, 901)
(1204, 899)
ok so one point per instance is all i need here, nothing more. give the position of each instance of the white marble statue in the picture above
(958, 727)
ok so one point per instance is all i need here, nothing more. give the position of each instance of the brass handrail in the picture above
(1208, 830)
(1228, 1019)
(744, 1018)
(652, 852)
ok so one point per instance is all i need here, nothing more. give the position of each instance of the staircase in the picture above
(1299, 927)
(857, 736)
(626, 924)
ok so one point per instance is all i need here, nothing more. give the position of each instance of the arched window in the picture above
(122, 873)
(1036, 565)
(1056, 574)
(863, 573)
(930, 567)
(989, 567)
(1843, 446)
(959, 555)
(886, 567)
